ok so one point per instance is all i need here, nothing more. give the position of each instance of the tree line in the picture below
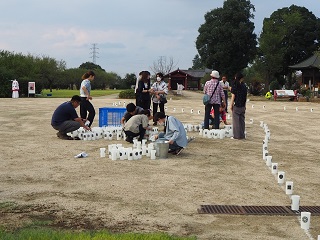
(49, 73)
(227, 42)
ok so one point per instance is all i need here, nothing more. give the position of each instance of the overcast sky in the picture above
(130, 34)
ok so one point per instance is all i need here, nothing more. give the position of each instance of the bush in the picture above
(127, 94)
(256, 88)
(274, 85)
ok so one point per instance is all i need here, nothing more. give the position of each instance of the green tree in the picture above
(226, 40)
(91, 66)
(197, 63)
(49, 69)
(289, 36)
(129, 80)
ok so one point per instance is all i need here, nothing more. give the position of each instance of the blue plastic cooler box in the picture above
(110, 116)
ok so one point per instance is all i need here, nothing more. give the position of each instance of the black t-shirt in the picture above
(240, 92)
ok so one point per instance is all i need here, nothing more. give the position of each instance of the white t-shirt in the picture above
(87, 84)
(225, 84)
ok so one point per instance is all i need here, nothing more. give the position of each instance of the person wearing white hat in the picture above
(215, 91)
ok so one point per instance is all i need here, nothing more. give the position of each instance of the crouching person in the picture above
(65, 118)
(174, 132)
(137, 125)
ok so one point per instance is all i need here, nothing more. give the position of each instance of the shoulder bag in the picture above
(206, 98)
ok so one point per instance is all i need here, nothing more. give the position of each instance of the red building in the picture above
(190, 79)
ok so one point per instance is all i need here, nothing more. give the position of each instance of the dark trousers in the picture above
(85, 107)
(67, 126)
(155, 107)
(207, 111)
(173, 146)
(238, 122)
(141, 133)
(226, 97)
(145, 104)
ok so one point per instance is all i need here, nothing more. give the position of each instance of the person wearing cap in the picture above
(160, 89)
(174, 132)
(137, 125)
(65, 118)
(238, 106)
(215, 91)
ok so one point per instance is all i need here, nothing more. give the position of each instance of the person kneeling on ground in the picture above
(65, 118)
(137, 125)
(174, 132)
(132, 110)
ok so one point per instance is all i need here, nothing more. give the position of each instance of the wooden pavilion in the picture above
(310, 69)
(190, 79)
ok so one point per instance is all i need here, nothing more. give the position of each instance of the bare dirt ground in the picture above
(41, 180)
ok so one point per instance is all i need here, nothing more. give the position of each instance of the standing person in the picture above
(65, 118)
(238, 106)
(174, 132)
(136, 87)
(160, 89)
(143, 98)
(137, 125)
(215, 90)
(226, 87)
(85, 90)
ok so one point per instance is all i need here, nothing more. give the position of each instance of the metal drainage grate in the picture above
(256, 210)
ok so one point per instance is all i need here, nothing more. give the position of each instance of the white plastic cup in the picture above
(265, 154)
(153, 154)
(144, 141)
(114, 154)
(269, 161)
(102, 152)
(135, 154)
(274, 168)
(289, 187)
(305, 220)
(144, 150)
(130, 154)
(295, 202)
(281, 177)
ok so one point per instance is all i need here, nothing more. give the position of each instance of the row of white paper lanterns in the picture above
(113, 132)
(295, 199)
(139, 149)
(284, 108)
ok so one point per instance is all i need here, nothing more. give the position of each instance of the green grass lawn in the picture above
(64, 93)
(49, 234)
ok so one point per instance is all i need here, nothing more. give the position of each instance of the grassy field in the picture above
(49, 234)
(64, 93)
(47, 230)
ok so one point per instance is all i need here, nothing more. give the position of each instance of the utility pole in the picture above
(94, 52)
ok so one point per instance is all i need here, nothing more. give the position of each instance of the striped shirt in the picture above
(209, 88)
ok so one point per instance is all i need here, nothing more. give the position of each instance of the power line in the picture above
(94, 52)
